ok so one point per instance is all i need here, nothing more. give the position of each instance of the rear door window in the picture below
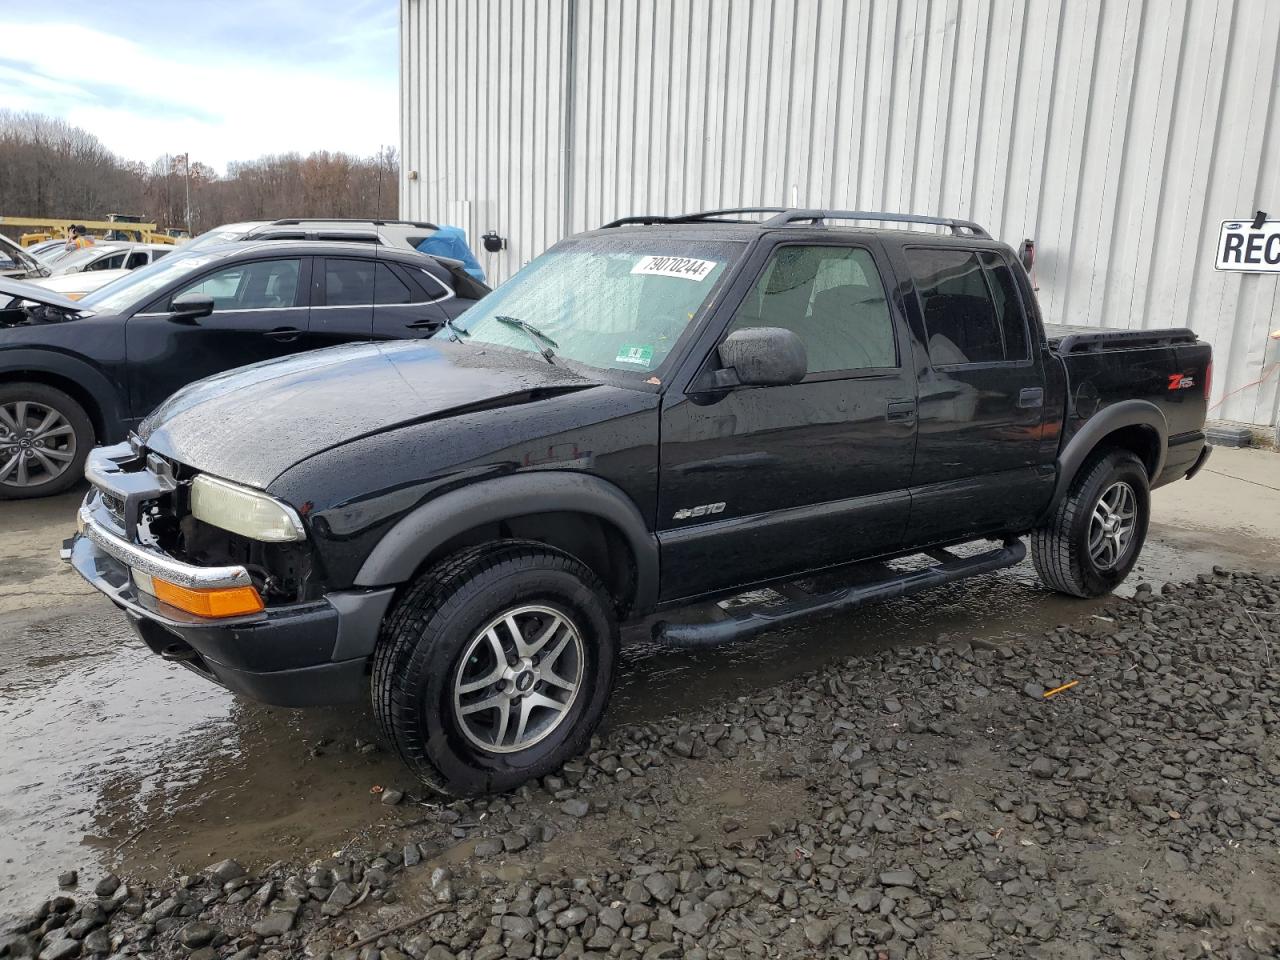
(966, 319)
(388, 288)
(1013, 319)
(348, 283)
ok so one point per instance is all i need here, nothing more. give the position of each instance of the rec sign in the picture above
(1244, 247)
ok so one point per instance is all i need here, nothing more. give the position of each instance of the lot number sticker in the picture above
(1240, 247)
(686, 268)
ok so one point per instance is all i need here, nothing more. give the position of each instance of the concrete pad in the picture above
(1237, 494)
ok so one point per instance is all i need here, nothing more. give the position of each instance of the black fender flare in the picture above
(18, 364)
(417, 534)
(1126, 413)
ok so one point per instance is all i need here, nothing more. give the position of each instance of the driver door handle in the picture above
(424, 324)
(901, 410)
(283, 334)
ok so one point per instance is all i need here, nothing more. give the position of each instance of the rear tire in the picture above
(448, 649)
(1096, 533)
(45, 437)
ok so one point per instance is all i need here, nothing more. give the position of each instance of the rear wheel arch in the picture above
(1137, 426)
(584, 516)
(1142, 440)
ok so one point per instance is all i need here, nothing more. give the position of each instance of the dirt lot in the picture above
(886, 783)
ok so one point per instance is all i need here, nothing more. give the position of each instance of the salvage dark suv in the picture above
(76, 373)
(663, 412)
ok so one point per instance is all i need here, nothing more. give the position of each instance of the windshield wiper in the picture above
(533, 333)
(457, 331)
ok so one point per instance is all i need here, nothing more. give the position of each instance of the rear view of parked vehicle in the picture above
(647, 419)
(77, 372)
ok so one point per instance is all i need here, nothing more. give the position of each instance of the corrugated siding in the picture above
(1117, 134)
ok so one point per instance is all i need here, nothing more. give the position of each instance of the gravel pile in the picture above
(930, 802)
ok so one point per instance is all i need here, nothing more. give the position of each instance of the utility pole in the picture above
(377, 204)
(187, 163)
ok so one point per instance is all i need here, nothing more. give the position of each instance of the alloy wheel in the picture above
(1112, 525)
(37, 443)
(518, 678)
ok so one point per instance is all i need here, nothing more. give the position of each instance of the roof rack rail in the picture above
(702, 216)
(296, 221)
(782, 216)
(818, 216)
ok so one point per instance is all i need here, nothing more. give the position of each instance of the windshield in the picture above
(612, 304)
(143, 283)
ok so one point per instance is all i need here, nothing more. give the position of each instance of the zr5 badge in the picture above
(706, 510)
(1181, 381)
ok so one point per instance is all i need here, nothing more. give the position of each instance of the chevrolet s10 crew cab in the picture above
(647, 419)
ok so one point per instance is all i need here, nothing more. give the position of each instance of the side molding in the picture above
(420, 532)
(1126, 413)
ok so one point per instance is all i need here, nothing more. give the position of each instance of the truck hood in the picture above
(252, 424)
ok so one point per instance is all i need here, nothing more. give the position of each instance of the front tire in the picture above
(1096, 533)
(495, 667)
(45, 437)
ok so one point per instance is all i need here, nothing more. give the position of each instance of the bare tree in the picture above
(49, 168)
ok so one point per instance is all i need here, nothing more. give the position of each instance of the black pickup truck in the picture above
(650, 417)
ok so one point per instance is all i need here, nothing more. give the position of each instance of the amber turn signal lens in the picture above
(222, 602)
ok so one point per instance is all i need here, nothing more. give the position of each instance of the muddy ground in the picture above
(116, 762)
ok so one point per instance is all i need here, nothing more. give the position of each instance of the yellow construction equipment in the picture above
(46, 228)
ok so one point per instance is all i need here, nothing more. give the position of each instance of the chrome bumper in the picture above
(115, 534)
(154, 563)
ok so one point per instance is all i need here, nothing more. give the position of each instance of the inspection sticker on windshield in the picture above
(686, 268)
(640, 355)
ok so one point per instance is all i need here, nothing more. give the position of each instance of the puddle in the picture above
(113, 757)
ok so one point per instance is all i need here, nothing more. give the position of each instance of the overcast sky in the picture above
(224, 79)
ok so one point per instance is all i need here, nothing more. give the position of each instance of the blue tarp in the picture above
(452, 242)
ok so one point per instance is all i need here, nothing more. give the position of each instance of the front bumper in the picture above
(301, 654)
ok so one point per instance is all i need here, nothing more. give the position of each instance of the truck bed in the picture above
(1169, 369)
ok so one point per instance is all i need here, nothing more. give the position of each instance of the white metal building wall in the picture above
(1116, 133)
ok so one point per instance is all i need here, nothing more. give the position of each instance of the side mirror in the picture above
(762, 357)
(190, 307)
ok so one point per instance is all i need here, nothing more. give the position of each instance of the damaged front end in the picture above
(242, 610)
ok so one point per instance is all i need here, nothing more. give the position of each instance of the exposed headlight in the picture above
(250, 513)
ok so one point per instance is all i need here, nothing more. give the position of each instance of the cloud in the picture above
(205, 92)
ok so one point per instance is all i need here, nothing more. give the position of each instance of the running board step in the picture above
(740, 623)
